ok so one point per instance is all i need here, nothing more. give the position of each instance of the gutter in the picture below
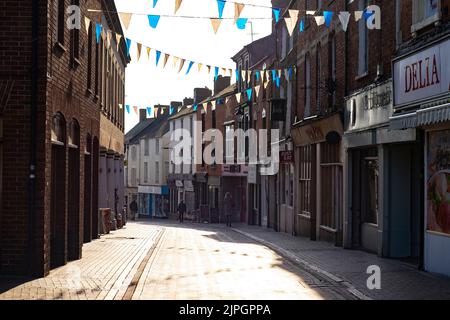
(33, 125)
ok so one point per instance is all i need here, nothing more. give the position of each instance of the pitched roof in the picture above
(224, 93)
(137, 129)
(156, 128)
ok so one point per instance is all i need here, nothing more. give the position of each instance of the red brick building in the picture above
(50, 80)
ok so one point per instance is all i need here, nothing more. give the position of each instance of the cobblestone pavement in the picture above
(164, 260)
(399, 280)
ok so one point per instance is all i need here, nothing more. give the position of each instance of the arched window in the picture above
(58, 129)
(74, 133)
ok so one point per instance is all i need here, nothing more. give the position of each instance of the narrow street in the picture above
(166, 260)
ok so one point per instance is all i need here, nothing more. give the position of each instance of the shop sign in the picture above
(149, 189)
(179, 184)
(438, 182)
(316, 132)
(286, 157)
(234, 170)
(422, 75)
(370, 107)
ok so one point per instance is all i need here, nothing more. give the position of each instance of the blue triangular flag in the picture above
(249, 94)
(221, 6)
(257, 75)
(276, 13)
(172, 109)
(216, 73)
(195, 107)
(367, 14)
(127, 107)
(128, 43)
(158, 55)
(302, 25)
(328, 15)
(241, 22)
(153, 20)
(278, 82)
(98, 31)
(190, 66)
(149, 111)
(290, 73)
(237, 75)
(274, 75)
(154, 3)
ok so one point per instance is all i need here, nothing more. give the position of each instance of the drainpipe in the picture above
(33, 156)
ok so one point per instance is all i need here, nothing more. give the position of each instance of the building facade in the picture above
(50, 79)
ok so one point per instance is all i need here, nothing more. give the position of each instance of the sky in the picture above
(191, 39)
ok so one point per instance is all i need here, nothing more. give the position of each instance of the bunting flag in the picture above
(290, 71)
(158, 56)
(367, 14)
(205, 108)
(249, 94)
(267, 75)
(279, 73)
(181, 65)
(262, 75)
(128, 43)
(153, 20)
(266, 84)
(216, 24)
(139, 48)
(175, 61)
(213, 105)
(118, 38)
(135, 109)
(166, 58)
(249, 76)
(291, 22)
(220, 7)
(224, 72)
(274, 75)
(126, 19)
(302, 25)
(293, 13)
(149, 111)
(177, 5)
(108, 39)
(238, 97)
(237, 75)
(244, 75)
(231, 72)
(98, 31)
(191, 63)
(320, 20)
(216, 72)
(127, 107)
(241, 23)
(328, 16)
(276, 13)
(344, 18)
(278, 82)
(358, 15)
(238, 7)
(154, 3)
(87, 24)
(155, 111)
(257, 75)
(171, 110)
(257, 90)
(195, 107)
(199, 65)
(148, 53)
(209, 69)
(286, 74)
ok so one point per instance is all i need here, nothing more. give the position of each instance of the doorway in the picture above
(74, 223)
(87, 230)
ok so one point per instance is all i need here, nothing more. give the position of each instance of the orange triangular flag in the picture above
(175, 61)
(87, 23)
(166, 57)
(205, 107)
(238, 7)
(209, 69)
(139, 49)
(126, 19)
(200, 67)
(177, 5)
(148, 52)
(135, 109)
(216, 24)
(181, 65)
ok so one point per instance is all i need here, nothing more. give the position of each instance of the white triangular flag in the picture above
(244, 75)
(118, 38)
(87, 23)
(175, 61)
(267, 75)
(213, 105)
(286, 74)
(257, 90)
(266, 84)
(249, 75)
(126, 19)
(358, 15)
(238, 97)
(291, 23)
(310, 12)
(344, 17)
(320, 20)
(205, 107)
(293, 13)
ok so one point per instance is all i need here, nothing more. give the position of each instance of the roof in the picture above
(137, 129)
(258, 49)
(183, 112)
(224, 93)
(155, 129)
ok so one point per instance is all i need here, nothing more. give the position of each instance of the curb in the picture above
(287, 254)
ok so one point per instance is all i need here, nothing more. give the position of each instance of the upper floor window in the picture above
(157, 146)
(318, 77)
(425, 12)
(133, 153)
(146, 147)
(75, 38)
(363, 49)
(61, 21)
(307, 86)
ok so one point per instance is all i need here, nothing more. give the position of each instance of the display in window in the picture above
(438, 182)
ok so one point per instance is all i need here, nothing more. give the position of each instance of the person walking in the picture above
(181, 211)
(134, 209)
(228, 207)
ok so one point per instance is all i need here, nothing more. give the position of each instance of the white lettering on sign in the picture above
(422, 75)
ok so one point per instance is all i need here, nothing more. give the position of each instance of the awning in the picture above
(403, 121)
(433, 115)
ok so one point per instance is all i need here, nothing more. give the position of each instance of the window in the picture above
(229, 143)
(398, 22)
(89, 62)
(157, 172)
(133, 176)
(146, 147)
(371, 190)
(318, 78)
(363, 48)
(75, 38)
(61, 22)
(213, 197)
(97, 68)
(425, 12)
(284, 40)
(305, 178)
(332, 71)
(255, 197)
(307, 87)
(145, 172)
(214, 119)
(157, 146)
(133, 153)
(319, 4)
(166, 167)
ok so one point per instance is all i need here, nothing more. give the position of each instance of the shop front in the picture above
(422, 101)
(234, 181)
(380, 163)
(153, 202)
(319, 178)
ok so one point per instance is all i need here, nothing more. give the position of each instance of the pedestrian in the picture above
(228, 207)
(181, 211)
(134, 209)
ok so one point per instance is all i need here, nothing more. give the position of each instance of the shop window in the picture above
(363, 31)
(370, 210)
(305, 178)
(214, 197)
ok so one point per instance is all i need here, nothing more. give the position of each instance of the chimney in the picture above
(188, 101)
(142, 115)
(176, 105)
(221, 83)
(201, 94)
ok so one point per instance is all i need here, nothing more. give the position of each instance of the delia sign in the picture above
(422, 75)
